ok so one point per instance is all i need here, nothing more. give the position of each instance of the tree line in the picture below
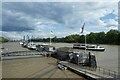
(111, 37)
(2, 39)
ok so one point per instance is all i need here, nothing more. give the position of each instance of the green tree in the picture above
(112, 37)
(72, 38)
(91, 38)
(119, 38)
(100, 37)
(2, 39)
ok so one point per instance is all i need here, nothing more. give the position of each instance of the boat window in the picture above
(76, 44)
(82, 45)
(91, 46)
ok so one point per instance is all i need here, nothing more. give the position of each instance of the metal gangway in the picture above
(93, 73)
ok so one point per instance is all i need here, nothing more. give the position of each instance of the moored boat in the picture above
(79, 46)
(95, 48)
(31, 46)
(89, 47)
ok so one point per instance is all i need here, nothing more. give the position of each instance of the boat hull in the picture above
(92, 49)
(96, 49)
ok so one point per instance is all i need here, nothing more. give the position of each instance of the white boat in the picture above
(95, 48)
(44, 44)
(89, 47)
(79, 46)
(21, 43)
(31, 46)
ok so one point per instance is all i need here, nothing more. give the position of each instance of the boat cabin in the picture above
(85, 59)
(46, 48)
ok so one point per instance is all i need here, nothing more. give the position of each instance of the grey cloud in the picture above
(58, 12)
(13, 23)
(54, 11)
(25, 15)
(49, 11)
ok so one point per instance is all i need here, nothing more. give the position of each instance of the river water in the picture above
(107, 59)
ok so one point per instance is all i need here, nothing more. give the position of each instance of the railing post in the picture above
(114, 74)
(99, 69)
(85, 70)
(109, 72)
(103, 71)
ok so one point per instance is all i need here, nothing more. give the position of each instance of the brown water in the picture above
(35, 68)
(107, 59)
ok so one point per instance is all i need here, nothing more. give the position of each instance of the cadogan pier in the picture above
(83, 65)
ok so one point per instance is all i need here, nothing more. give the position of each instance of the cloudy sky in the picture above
(37, 19)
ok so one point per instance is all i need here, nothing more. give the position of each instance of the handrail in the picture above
(108, 72)
(103, 71)
(18, 52)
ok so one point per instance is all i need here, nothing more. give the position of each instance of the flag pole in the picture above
(85, 39)
(85, 43)
(50, 35)
(84, 34)
(50, 39)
